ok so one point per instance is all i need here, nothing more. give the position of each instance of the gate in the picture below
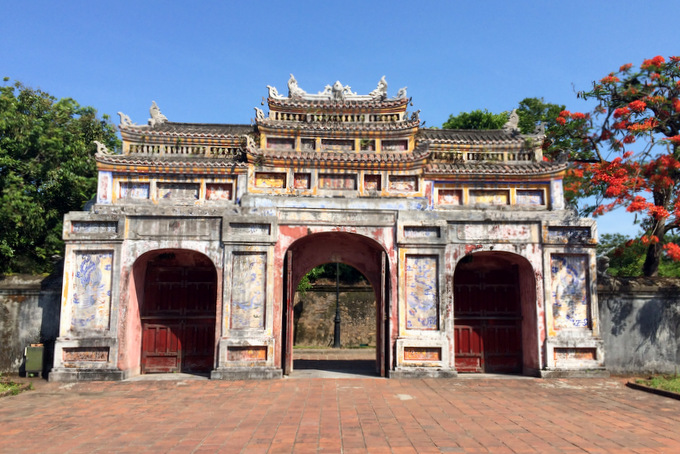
(487, 320)
(178, 319)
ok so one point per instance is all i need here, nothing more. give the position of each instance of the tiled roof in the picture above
(190, 129)
(338, 126)
(493, 168)
(470, 136)
(419, 154)
(170, 161)
(328, 104)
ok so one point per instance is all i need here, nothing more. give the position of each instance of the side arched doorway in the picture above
(494, 314)
(360, 252)
(177, 311)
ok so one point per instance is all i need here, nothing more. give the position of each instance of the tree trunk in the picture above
(653, 257)
(658, 230)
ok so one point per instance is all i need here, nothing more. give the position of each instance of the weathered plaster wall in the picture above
(315, 316)
(29, 313)
(640, 324)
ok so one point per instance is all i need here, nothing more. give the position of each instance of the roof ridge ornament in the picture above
(512, 125)
(381, 90)
(125, 120)
(335, 92)
(101, 148)
(157, 118)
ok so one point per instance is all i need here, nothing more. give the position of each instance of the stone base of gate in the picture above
(73, 375)
(246, 373)
(402, 373)
(574, 373)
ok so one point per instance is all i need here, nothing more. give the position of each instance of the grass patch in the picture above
(10, 388)
(665, 382)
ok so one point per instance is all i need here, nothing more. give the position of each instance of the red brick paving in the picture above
(340, 415)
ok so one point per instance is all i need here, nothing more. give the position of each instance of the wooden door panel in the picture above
(199, 340)
(468, 347)
(161, 348)
(178, 319)
(487, 321)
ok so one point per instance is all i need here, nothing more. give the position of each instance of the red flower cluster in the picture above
(647, 240)
(639, 203)
(578, 116)
(672, 250)
(656, 61)
(675, 140)
(629, 139)
(621, 112)
(638, 106)
(626, 67)
(561, 121)
(676, 104)
(565, 113)
(610, 79)
(646, 125)
(658, 99)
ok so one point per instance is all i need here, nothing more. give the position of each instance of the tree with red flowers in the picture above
(627, 151)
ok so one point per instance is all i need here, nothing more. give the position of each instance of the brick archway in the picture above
(358, 251)
(494, 313)
(177, 296)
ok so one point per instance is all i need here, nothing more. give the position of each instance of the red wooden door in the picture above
(178, 319)
(487, 320)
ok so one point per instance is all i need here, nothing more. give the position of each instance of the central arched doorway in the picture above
(177, 312)
(362, 253)
(494, 312)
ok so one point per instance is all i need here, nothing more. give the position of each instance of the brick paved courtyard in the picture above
(340, 415)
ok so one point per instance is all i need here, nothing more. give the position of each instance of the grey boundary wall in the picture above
(29, 314)
(640, 322)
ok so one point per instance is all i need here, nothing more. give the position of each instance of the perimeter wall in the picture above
(640, 321)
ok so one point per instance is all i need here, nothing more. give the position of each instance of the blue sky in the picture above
(210, 62)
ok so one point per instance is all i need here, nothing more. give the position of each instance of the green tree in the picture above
(535, 111)
(627, 256)
(531, 111)
(47, 169)
(477, 119)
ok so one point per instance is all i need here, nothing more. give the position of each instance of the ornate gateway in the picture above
(190, 257)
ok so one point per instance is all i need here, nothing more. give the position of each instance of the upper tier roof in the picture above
(471, 136)
(188, 129)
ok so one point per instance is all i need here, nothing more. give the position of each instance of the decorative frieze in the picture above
(569, 291)
(248, 290)
(569, 235)
(91, 291)
(173, 227)
(94, 226)
(422, 292)
(495, 232)
(247, 354)
(91, 354)
(422, 354)
(422, 232)
(575, 354)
